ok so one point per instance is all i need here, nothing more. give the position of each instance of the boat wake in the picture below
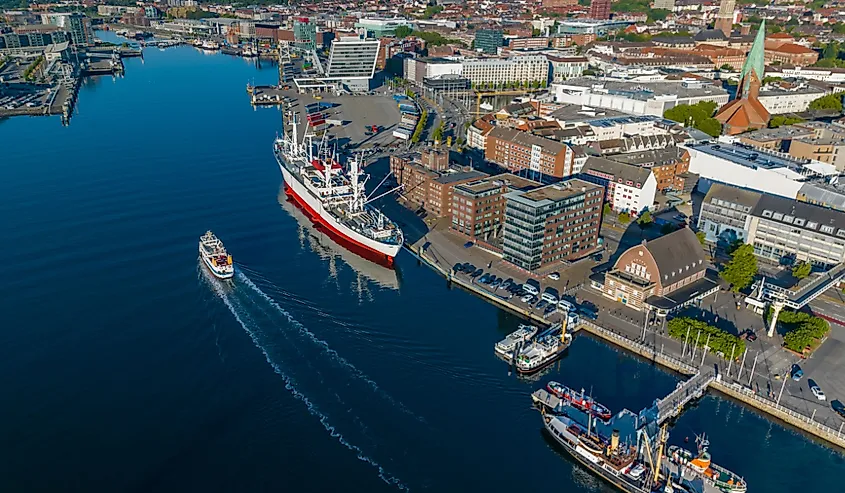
(335, 356)
(252, 330)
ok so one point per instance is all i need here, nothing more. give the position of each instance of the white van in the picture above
(549, 296)
(565, 306)
(530, 288)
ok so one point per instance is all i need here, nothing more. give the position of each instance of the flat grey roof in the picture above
(648, 90)
(800, 214)
(748, 156)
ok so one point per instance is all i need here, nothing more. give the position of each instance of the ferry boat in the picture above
(702, 466)
(579, 400)
(334, 197)
(523, 334)
(215, 256)
(617, 463)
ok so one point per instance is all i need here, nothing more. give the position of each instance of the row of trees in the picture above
(430, 38)
(420, 126)
(780, 120)
(29, 72)
(699, 115)
(513, 85)
(803, 329)
(700, 331)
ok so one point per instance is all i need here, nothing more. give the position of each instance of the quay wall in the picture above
(734, 390)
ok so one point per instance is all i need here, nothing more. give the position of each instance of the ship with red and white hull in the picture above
(334, 197)
(579, 400)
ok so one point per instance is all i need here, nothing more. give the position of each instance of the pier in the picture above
(693, 388)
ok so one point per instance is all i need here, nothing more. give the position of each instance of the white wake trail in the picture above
(320, 342)
(290, 385)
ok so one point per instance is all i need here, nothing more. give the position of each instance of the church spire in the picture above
(755, 63)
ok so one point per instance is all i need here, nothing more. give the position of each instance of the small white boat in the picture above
(523, 334)
(215, 257)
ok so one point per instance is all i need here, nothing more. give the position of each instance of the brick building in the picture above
(669, 165)
(659, 275)
(517, 150)
(551, 224)
(791, 54)
(428, 179)
(537, 43)
(478, 207)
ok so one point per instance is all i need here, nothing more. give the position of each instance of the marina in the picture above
(300, 358)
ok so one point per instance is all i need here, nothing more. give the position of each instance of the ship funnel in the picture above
(614, 441)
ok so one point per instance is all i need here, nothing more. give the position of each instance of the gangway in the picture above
(686, 391)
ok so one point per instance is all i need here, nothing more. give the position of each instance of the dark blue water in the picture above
(126, 369)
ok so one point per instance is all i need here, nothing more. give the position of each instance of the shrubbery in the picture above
(802, 328)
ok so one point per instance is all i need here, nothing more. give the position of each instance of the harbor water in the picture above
(127, 368)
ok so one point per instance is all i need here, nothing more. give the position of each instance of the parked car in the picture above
(528, 298)
(549, 309)
(484, 279)
(469, 268)
(508, 283)
(586, 312)
(458, 268)
(817, 391)
(554, 276)
(550, 295)
(531, 286)
(496, 283)
(477, 272)
(541, 304)
(468, 244)
(796, 373)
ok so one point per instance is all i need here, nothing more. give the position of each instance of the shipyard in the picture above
(623, 239)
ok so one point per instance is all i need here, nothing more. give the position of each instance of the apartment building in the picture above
(517, 150)
(628, 188)
(478, 207)
(551, 224)
(77, 25)
(538, 43)
(785, 230)
(669, 165)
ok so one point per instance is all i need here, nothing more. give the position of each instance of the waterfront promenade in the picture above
(758, 380)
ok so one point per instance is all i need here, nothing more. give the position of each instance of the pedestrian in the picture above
(489, 264)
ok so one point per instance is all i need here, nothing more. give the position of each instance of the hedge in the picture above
(802, 328)
(720, 341)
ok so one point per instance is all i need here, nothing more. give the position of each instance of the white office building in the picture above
(352, 63)
(638, 98)
(522, 68)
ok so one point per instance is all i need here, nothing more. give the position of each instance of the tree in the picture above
(535, 32)
(831, 51)
(624, 217)
(802, 270)
(780, 120)
(702, 238)
(711, 127)
(403, 32)
(741, 269)
(645, 220)
(437, 136)
(726, 68)
(606, 209)
(829, 102)
(535, 84)
(699, 115)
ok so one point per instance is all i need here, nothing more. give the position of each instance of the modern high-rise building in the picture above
(77, 25)
(353, 61)
(551, 224)
(488, 40)
(725, 17)
(600, 9)
(304, 34)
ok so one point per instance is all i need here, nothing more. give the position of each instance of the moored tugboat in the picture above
(701, 465)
